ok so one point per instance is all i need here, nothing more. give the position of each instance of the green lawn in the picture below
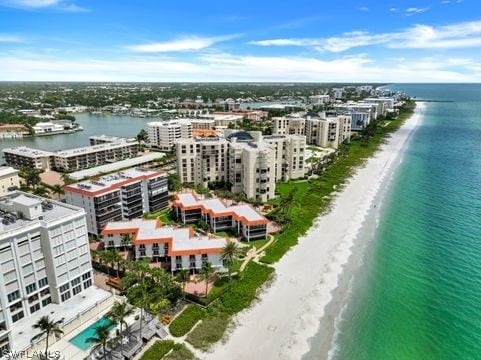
(208, 332)
(163, 215)
(259, 243)
(158, 350)
(186, 320)
(179, 352)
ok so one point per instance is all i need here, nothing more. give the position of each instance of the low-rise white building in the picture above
(243, 218)
(125, 195)
(9, 180)
(44, 264)
(178, 248)
(72, 159)
(44, 128)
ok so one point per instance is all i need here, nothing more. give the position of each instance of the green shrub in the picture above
(158, 350)
(180, 352)
(183, 323)
(243, 291)
(208, 332)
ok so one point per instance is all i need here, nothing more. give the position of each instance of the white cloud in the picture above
(57, 5)
(6, 38)
(190, 43)
(229, 67)
(364, 9)
(393, 9)
(415, 10)
(460, 35)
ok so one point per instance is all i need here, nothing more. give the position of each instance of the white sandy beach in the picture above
(289, 311)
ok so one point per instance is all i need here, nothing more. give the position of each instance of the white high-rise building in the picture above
(163, 134)
(45, 266)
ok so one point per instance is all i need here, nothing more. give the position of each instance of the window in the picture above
(13, 296)
(65, 296)
(45, 292)
(34, 308)
(46, 301)
(75, 281)
(77, 289)
(18, 316)
(63, 288)
(87, 284)
(42, 282)
(86, 276)
(31, 288)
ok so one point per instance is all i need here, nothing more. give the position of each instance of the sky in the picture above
(249, 41)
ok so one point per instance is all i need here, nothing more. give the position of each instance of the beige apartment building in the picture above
(9, 180)
(163, 134)
(319, 130)
(250, 165)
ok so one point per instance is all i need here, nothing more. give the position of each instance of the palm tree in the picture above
(47, 327)
(57, 190)
(118, 313)
(206, 273)
(183, 278)
(138, 275)
(228, 255)
(126, 239)
(100, 339)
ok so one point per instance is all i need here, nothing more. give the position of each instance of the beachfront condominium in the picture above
(252, 169)
(177, 248)
(241, 218)
(319, 129)
(9, 180)
(249, 165)
(163, 134)
(45, 265)
(124, 195)
(289, 152)
(202, 160)
(72, 159)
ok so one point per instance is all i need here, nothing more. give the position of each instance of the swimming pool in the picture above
(80, 340)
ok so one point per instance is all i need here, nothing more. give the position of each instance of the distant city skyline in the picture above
(263, 41)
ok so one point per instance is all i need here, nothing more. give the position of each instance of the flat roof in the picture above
(182, 240)
(79, 175)
(113, 181)
(93, 148)
(10, 203)
(243, 212)
(111, 138)
(26, 151)
(69, 310)
(7, 171)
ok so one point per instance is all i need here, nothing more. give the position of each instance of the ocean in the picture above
(415, 292)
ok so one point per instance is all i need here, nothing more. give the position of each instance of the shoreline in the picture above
(289, 313)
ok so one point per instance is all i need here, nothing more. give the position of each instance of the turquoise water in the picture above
(417, 294)
(127, 126)
(80, 340)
